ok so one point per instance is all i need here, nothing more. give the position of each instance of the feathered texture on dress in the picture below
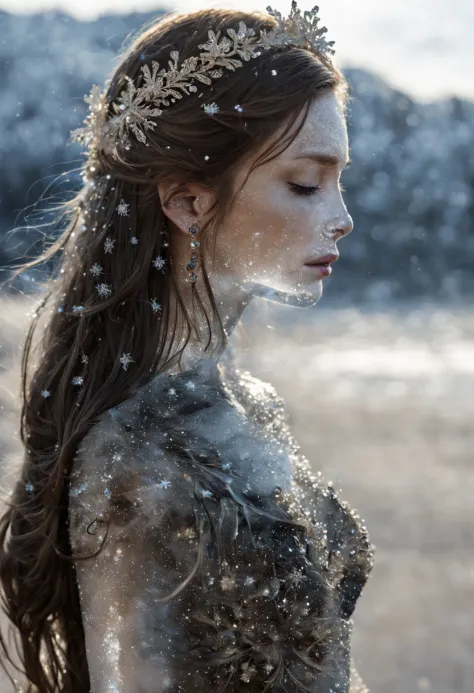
(209, 557)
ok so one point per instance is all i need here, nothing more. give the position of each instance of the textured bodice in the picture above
(216, 559)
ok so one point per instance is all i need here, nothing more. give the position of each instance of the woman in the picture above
(166, 533)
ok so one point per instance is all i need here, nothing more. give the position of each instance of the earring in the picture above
(193, 230)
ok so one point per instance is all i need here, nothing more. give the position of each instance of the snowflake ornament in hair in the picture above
(137, 108)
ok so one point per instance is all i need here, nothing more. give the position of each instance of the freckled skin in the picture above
(271, 231)
(263, 244)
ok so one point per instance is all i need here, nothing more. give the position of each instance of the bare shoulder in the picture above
(132, 467)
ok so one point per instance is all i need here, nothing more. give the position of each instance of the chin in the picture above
(295, 297)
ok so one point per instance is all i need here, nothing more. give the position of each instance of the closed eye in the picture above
(303, 190)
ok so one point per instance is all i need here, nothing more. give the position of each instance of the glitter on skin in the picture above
(126, 478)
(271, 232)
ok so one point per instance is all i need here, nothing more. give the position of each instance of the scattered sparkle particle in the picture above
(248, 671)
(211, 108)
(172, 392)
(107, 492)
(155, 305)
(126, 360)
(78, 490)
(77, 309)
(238, 108)
(206, 494)
(96, 270)
(274, 72)
(122, 209)
(296, 577)
(104, 290)
(109, 245)
(77, 380)
(84, 358)
(158, 263)
(134, 240)
(45, 394)
(227, 583)
(190, 385)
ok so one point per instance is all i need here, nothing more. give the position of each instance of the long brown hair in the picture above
(83, 335)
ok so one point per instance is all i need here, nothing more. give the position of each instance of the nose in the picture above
(339, 227)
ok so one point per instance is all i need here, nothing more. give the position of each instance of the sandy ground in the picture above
(383, 403)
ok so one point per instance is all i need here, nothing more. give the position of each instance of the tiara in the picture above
(136, 107)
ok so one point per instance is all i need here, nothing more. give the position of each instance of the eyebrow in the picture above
(325, 159)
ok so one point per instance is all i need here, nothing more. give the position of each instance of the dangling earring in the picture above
(193, 230)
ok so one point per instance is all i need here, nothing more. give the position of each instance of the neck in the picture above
(230, 302)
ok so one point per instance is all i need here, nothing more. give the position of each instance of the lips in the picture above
(324, 260)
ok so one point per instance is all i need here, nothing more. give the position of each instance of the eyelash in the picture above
(303, 190)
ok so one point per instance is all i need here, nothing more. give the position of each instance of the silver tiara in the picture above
(136, 107)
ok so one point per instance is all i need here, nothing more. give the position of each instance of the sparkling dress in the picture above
(208, 556)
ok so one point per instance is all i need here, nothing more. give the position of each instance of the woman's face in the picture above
(290, 211)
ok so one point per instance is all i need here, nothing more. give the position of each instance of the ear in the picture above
(186, 203)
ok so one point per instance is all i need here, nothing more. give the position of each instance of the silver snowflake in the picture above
(249, 581)
(227, 583)
(109, 244)
(158, 263)
(296, 577)
(104, 290)
(84, 358)
(190, 385)
(126, 360)
(206, 494)
(122, 209)
(172, 392)
(77, 380)
(164, 484)
(211, 108)
(96, 270)
(248, 670)
(77, 309)
(268, 668)
(45, 394)
(134, 240)
(155, 305)
(29, 488)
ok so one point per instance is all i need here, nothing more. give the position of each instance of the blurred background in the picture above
(379, 377)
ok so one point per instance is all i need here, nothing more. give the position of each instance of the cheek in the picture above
(267, 217)
(268, 225)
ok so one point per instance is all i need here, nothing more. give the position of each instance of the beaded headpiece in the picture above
(136, 107)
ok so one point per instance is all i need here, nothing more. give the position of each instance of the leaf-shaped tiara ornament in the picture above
(136, 107)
